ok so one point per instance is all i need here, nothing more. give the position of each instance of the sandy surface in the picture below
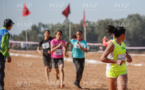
(27, 73)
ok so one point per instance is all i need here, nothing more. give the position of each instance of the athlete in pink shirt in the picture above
(57, 46)
(57, 53)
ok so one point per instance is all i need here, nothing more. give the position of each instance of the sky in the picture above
(50, 11)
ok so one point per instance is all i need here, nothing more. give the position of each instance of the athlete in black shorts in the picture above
(45, 44)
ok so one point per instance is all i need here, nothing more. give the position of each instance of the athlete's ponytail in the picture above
(116, 31)
(74, 36)
(110, 29)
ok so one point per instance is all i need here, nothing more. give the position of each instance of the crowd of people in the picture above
(55, 49)
(115, 56)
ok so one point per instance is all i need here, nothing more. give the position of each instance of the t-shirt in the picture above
(58, 53)
(45, 44)
(76, 51)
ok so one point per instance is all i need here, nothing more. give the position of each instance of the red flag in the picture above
(25, 12)
(66, 12)
(84, 25)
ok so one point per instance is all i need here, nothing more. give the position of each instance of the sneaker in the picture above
(77, 84)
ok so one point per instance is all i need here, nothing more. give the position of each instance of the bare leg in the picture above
(47, 71)
(57, 73)
(112, 82)
(122, 82)
(61, 75)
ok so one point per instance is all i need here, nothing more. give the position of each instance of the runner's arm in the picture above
(108, 50)
(38, 50)
(129, 59)
(66, 47)
(54, 48)
(84, 49)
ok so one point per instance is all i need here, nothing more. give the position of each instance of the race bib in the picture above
(45, 45)
(121, 57)
(77, 46)
(58, 52)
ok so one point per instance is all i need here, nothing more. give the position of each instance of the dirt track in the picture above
(27, 73)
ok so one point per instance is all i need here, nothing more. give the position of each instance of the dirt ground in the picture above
(27, 73)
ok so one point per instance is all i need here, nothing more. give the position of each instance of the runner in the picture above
(57, 46)
(78, 51)
(45, 44)
(105, 41)
(115, 55)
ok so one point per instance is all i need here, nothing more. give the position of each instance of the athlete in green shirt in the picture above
(115, 56)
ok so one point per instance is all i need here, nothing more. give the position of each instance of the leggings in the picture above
(79, 65)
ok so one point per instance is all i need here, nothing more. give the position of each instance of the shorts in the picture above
(47, 61)
(115, 74)
(57, 62)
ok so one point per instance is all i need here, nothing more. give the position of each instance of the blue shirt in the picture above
(76, 51)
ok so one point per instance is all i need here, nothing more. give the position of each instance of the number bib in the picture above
(58, 52)
(121, 57)
(77, 46)
(45, 45)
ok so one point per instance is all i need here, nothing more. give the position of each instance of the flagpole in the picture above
(66, 13)
(26, 36)
(69, 30)
(85, 37)
(84, 25)
(25, 13)
(69, 33)
(4, 9)
(26, 32)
